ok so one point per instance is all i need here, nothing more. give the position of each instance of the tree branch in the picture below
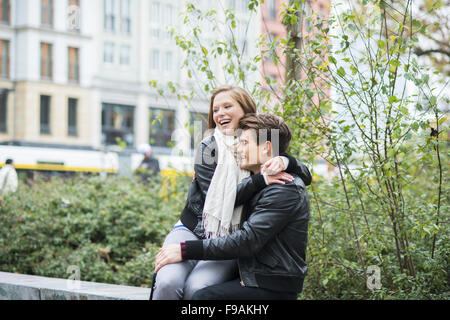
(420, 52)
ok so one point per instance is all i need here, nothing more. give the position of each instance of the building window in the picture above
(271, 36)
(168, 62)
(72, 117)
(3, 111)
(73, 19)
(47, 13)
(117, 124)
(5, 11)
(74, 64)
(155, 20)
(308, 13)
(4, 58)
(108, 52)
(154, 59)
(272, 9)
(162, 125)
(125, 16)
(244, 5)
(45, 115)
(239, 5)
(198, 126)
(271, 80)
(241, 41)
(168, 20)
(125, 52)
(110, 17)
(46, 61)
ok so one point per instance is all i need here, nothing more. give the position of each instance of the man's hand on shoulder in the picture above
(274, 165)
(278, 178)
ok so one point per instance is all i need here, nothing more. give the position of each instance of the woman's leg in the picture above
(208, 273)
(170, 279)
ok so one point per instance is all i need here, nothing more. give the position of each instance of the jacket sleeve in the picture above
(298, 168)
(205, 165)
(267, 219)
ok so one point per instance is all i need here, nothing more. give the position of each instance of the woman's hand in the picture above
(273, 166)
(168, 254)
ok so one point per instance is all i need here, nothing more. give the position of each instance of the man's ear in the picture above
(268, 148)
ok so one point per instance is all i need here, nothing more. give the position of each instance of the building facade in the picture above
(76, 73)
(45, 86)
(272, 26)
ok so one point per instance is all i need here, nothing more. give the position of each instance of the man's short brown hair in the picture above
(265, 126)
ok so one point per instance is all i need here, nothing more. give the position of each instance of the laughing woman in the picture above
(216, 195)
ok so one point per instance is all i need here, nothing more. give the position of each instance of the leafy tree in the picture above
(357, 96)
(382, 110)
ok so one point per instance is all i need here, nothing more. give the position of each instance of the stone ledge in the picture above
(26, 287)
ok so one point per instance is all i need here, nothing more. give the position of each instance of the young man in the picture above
(271, 243)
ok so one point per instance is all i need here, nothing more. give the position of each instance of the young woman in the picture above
(216, 196)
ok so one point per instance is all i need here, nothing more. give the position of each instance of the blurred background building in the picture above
(272, 26)
(74, 75)
(46, 80)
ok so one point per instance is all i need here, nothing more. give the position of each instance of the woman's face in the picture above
(226, 113)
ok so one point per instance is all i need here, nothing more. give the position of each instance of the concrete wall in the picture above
(25, 287)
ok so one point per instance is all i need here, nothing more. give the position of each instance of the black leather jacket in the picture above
(205, 165)
(271, 244)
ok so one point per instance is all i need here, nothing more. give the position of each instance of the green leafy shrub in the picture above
(109, 228)
(112, 229)
(359, 98)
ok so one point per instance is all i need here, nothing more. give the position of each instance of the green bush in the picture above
(335, 271)
(112, 229)
(109, 228)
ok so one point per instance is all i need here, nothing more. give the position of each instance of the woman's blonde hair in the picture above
(240, 95)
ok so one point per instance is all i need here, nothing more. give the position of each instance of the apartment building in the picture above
(45, 73)
(273, 27)
(132, 47)
(75, 73)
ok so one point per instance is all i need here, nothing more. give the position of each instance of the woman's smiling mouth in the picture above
(225, 122)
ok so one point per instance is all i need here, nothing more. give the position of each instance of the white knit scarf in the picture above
(219, 215)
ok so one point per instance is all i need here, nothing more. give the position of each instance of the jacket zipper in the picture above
(240, 274)
(239, 266)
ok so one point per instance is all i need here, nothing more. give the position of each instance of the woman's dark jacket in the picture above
(205, 164)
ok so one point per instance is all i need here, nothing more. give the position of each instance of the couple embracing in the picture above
(243, 232)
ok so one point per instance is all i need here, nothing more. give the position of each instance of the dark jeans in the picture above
(232, 290)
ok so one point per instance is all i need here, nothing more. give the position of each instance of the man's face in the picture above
(249, 153)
